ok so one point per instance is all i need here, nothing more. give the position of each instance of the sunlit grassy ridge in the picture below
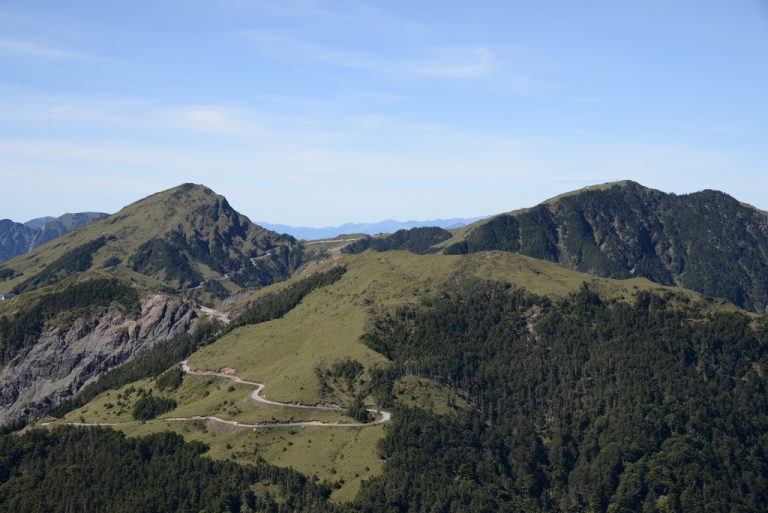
(326, 326)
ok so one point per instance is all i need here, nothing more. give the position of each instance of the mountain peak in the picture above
(624, 230)
(187, 206)
(618, 184)
(180, 193)
(183, 237)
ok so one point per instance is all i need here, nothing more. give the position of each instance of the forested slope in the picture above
(705, 241)
(95, 470)
(580, 405)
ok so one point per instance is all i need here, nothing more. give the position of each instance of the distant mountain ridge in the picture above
(705, 241)
(19, 238)
(386, 226)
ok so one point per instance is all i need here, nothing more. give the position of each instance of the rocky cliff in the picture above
(66, 358)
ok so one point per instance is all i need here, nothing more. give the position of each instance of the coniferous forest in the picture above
(95, 469)
(580, 405)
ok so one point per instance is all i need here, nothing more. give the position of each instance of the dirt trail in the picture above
(384, 416)
(324, 241)
(223, 317)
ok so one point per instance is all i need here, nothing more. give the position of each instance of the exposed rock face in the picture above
(66, 359)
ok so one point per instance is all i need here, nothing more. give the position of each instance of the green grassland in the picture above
(427, 394)
(326, 326)
(343, 456)
(198, 395)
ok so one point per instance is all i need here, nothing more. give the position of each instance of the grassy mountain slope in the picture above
(176, 238)
(516, 383)
(327, 325)
(705, 241)
(325, 329)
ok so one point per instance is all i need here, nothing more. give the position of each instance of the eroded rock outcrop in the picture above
(66, 358)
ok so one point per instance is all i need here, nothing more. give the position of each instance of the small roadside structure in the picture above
(6, 297)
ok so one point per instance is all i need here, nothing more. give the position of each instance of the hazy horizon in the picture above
(363, 221)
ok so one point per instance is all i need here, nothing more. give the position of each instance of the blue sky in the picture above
(317, 113)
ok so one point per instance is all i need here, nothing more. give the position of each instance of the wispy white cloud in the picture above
(210, 119)
(442, 62)
(131, 115)
(460, 62)
(23, 48)
(354, 14)
(481, 173)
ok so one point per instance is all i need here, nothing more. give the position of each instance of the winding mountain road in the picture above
(383, 416)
